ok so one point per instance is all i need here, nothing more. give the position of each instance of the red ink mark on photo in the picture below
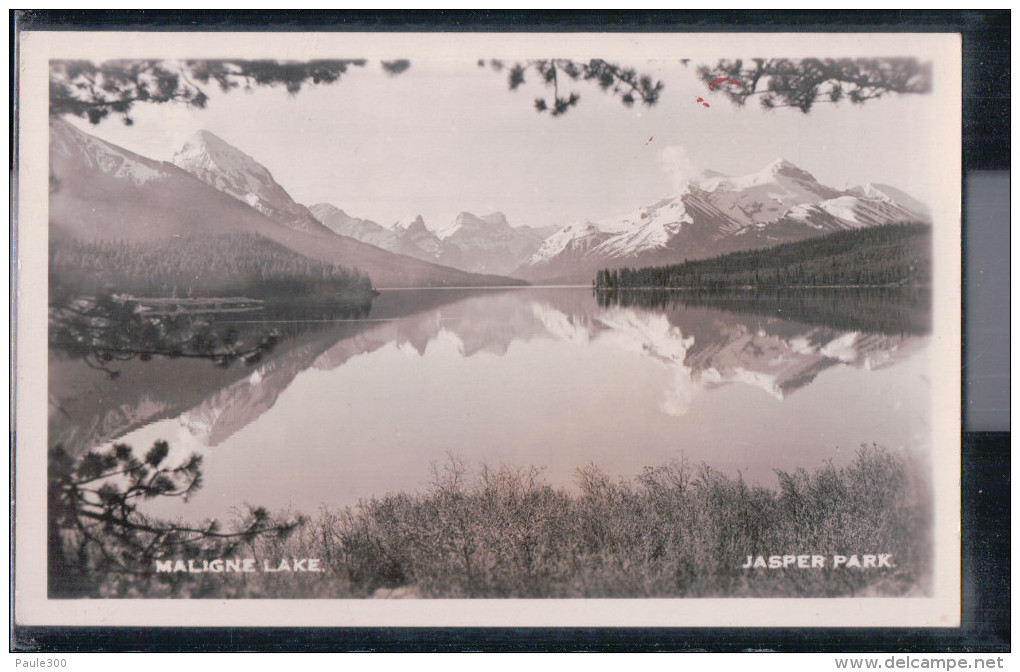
(649, 140)
(721, 80)
(702, 101)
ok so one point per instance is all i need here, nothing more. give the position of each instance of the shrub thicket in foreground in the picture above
(676, 531)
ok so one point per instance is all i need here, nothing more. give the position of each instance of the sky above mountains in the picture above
(448, 136)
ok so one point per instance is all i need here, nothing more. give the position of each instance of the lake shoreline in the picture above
(759, 290)
(345, 408)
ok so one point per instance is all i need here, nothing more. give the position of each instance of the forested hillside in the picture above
(893, 254)
(234, 264)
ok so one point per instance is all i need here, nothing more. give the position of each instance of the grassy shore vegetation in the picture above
(677, 530)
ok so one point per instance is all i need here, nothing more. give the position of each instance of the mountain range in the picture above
(478, 244)
(99, 191)
(715, 214)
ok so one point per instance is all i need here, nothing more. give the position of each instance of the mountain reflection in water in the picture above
(554, 377)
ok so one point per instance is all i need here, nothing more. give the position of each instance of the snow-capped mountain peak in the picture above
(225, 167)
(487, 243)
(716, 214)
(647, 228)
(208, 151)
(778, 165)
(780, 173)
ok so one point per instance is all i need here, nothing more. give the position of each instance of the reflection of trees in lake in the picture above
(299, 316)
(90, 409)
(111, 327)
(691, 351)
(876, 310)
(97, 535)
(807, 330)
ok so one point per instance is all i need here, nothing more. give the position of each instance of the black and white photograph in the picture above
(489, 329)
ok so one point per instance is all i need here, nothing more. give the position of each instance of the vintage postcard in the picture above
(488, 329)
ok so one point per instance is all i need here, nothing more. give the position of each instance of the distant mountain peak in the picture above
(406, 223)
(497, 218)
(780, 166)
(468, 221)
(208, 135)
(207, 150)
(417, 224)
(779, 163)
(209, 138)
(716, 214)
(777, 171)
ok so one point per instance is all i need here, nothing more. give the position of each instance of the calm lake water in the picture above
(552, 377)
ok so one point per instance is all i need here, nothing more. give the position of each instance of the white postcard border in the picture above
(31, 604)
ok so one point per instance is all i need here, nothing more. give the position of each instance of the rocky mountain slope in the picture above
(228, 169)
(715, 214)
(99, 191)
(478, 244)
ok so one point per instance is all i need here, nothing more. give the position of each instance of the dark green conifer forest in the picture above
(880, 256)
(239, 264)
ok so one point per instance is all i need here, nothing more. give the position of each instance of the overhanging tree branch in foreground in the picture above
(94, 91)
(110, 328)
(90, 91)
(617, 80)
(800, 83)
(99, 537)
